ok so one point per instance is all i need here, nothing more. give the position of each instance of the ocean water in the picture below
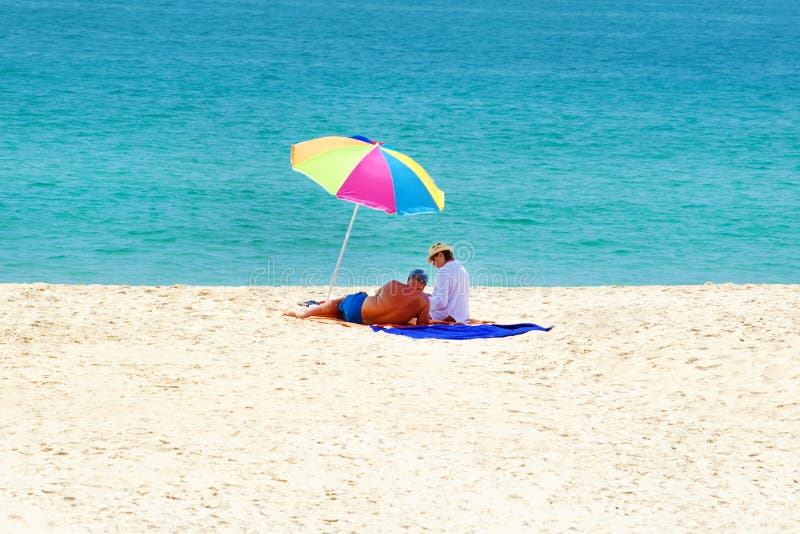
(579, 142)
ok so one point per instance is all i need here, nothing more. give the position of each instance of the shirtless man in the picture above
(393, 303)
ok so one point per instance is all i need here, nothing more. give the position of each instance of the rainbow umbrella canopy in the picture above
(367, 173)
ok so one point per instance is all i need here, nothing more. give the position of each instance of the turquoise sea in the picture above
(578, 142)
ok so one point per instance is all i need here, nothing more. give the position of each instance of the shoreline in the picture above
(325, 287)
(202, 407)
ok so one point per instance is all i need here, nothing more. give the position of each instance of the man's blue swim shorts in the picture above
(350, 307)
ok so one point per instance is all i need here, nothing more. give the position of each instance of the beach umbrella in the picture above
(367, 173)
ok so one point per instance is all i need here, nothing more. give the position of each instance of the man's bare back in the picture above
(396, 303)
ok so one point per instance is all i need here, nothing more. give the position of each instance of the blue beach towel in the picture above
(460, 331)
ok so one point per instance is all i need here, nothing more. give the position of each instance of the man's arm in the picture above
(424, 315)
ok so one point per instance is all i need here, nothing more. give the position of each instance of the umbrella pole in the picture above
(341, 254)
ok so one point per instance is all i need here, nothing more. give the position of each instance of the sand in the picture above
(184, 409)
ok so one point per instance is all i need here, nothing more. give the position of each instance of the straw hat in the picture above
(437, 248)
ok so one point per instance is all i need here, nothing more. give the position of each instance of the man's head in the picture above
(439, 254)
(417, 279)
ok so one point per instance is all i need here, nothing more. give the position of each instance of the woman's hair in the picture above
(448, 255)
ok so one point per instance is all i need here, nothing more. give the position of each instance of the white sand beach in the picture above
(186, 409)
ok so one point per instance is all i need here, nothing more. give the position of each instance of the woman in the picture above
(450, 298)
